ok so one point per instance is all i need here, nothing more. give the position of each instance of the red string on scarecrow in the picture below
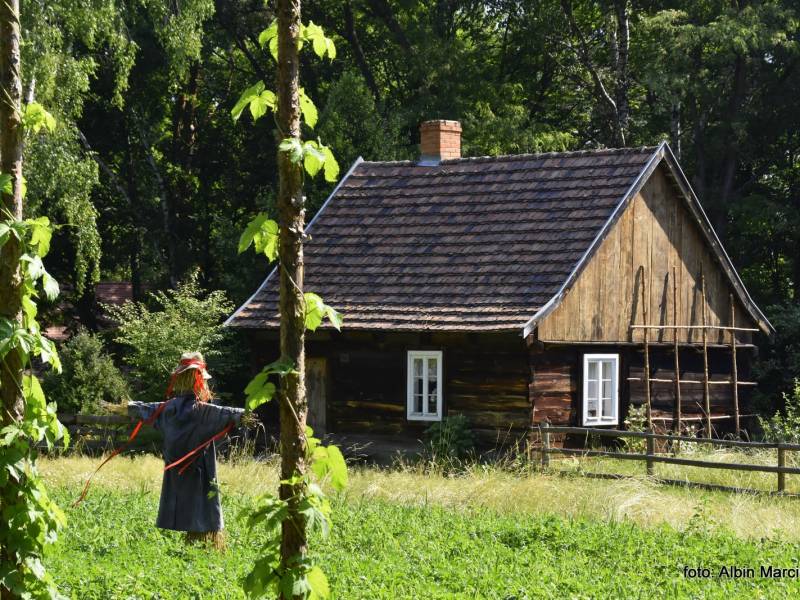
(190, 424)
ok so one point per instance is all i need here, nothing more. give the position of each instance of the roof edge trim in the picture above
(721, 254)
(228, 322)
(634, 189)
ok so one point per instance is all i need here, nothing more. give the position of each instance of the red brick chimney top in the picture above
(439, 140)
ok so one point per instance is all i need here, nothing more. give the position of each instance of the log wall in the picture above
(485, 379)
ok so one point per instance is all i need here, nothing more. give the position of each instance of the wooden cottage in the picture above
(515, 289)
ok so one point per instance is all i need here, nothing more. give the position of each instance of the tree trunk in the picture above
(291, 215)
(623, 81)
(10, 274)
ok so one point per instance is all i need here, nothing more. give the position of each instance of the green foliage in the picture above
(636, 421)
(450, 439)
(383, 550)
(262, 233)
(182, 320)
(31, 518)
(317, 310)
(89, 379)
(784, 426)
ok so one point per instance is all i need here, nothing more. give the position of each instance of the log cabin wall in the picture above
(656, 231)
(557, 381)
(485, 378)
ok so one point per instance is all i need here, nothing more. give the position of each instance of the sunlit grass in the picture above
(563, 491)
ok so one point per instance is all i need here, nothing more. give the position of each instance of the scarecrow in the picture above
(190, 424)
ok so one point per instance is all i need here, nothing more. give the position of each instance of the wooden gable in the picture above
(656, 235)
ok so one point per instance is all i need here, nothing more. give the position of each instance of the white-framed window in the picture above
(601, 389)
(424, 388)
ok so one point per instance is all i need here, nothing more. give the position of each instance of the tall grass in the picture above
(513, 487)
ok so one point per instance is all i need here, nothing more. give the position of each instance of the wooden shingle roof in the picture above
(471, 244)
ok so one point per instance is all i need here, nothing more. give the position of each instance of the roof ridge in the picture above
(524, 156)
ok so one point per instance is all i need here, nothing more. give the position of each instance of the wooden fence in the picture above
(651, 457)
(97, 432)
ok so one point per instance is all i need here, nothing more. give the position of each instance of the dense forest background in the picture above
(151, 180)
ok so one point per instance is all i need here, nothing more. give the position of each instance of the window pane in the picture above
(418, 403)
(432, 403)
(606, 389)
(418, 383)
(432, 369)
(592, 407)
(607, 364)
(592, 390)
(592, 370)
(417, 367)
(608, 409)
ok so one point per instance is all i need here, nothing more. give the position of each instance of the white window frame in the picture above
(425, 355)
(601, 419)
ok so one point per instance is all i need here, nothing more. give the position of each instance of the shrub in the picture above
(181, 320)
(636, 421)
(785, 426)
(450, 438)
(89, 378)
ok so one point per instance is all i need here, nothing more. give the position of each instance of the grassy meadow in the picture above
(415, 532)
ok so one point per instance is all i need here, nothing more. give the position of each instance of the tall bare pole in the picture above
(291, 214)
(645, 302)
(706, 391)
(10, 274)
(734, 369)
(676, 417)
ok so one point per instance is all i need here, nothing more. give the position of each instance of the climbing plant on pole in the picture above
(285, 569)
(28, 518)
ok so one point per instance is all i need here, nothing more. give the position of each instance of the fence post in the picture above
(545, 444)
(781, 463)
(651, 450)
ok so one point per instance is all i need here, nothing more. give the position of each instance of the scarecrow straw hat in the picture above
(192, 360)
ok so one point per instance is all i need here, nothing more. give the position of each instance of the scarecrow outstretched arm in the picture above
(216, 417)
(142, 410)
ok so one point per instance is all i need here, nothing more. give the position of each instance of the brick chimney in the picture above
(439, 140)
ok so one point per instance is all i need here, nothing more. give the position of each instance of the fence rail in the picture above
(651, 457)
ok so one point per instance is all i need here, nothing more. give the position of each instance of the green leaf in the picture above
(269, 37)
(280, 367)
(266, 240)
(334, 317)
(260, 104)
(5, 233)
(250, 232)
(259, 391)
(50, 286)
(34, 395)
(246, 98)
(331, 166)
(35, 268)
(337, 468)
(6, 183)
(293, 147)
(321, 44)
(315, 311)
(41, 234)
(313, 158)
(319, 584)
(308, 109)
(35, 117)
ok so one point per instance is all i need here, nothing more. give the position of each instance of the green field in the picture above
(405, 533)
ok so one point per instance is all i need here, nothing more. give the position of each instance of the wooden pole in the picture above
(706, 393)
(291, 218)
(676, 421)
(651, 450)
(646, 351)
(781, 463)
(734, 371)
(543, 428)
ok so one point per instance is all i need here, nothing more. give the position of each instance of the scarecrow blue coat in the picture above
(189, 501)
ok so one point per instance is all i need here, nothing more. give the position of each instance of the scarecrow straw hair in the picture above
(184, 382)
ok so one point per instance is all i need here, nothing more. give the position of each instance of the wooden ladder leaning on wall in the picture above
(704, 328)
